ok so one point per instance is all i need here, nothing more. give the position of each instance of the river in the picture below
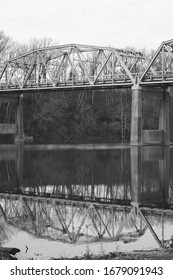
(66, 201)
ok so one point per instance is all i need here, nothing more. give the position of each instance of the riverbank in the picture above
(135, 255)
(9, 254)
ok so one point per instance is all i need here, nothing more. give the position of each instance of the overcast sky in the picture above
(118, 23)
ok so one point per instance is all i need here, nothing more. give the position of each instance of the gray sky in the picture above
(118, 23)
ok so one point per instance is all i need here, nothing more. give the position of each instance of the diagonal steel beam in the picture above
(3, 70)
(102, 67)
(59, 69)
(82, 222)
(94, 224)
(151, 229)
(109, 65)
(47, 70)
(134, 64)
(62, 221)
(97, 59)
(3, 213)
(109, 221)
(170, 53)
(125, 67)
(72, 218)
(33, 64)
(59, 215)
(100, 218)
(83, 66)
(151, 62)
(27, 208)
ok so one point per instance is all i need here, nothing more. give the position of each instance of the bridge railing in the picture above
(158, 77)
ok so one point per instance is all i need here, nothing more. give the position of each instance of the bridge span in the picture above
(74, 66)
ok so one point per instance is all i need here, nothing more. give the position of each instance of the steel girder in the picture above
(160, 69)
(67, 66)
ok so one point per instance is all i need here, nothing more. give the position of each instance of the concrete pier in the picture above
(19, 120)
(164, 118)
(162, 134)
(16, 128)
(136, 116)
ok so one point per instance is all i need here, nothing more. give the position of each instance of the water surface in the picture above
(63, 201)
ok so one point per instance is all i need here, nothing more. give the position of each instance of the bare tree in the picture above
(5, 43)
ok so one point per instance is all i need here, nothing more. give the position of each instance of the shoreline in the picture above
(162, 254)
(157, 254)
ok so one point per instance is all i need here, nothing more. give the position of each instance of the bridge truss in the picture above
(72, 65)
(83, 66)
(160, 69)
(81, 222)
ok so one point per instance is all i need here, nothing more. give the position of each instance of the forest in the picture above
(76, 116)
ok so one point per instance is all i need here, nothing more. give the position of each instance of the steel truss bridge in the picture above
(82, 66)
(76, 221)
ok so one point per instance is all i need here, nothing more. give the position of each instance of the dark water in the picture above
(64, 201)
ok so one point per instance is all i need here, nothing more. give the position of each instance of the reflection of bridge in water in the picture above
(106, 200)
